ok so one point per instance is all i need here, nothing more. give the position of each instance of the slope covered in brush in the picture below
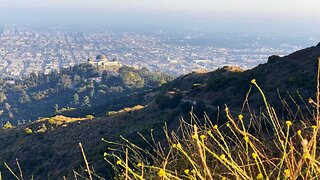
(52, 147)
(76, 91)
(229, 85)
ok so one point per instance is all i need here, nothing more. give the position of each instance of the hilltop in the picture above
(78, 91)
(53, 151)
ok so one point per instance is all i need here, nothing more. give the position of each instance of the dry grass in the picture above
(125, 110)
(288, 149)
(60, 120)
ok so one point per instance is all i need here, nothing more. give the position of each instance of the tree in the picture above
(7, 106)
(65, 81)
(86, 101)
(92, 93)
(3, 97)
(24, 97)
(76, 78)
(56, 108)
(76, 98)
(11, 115)
(132, 79)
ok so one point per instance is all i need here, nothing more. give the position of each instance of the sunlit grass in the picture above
(286, 150)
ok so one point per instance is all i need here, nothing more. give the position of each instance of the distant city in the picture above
(24, 50)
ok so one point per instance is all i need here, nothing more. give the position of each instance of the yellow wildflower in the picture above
(299, 132)
(119, 162)
(194, 136)
(246, 138)
(210, 133)
(240, 116)
(254, 155)
(289, 123)
(260, 176)
(174, 145)
(215, 127)
(179, 146)
(222, 156)
(161, 173)
(287, 172)
(186, 171)
(202, 137)
(139, 165)
(253, 81)
(306, 155)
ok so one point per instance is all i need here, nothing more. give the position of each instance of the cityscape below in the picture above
(25, 50)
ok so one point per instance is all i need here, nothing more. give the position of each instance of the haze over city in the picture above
(173, 36)
(285, 17)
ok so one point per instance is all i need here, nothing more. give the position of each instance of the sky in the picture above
(288, 7)
(273, 16)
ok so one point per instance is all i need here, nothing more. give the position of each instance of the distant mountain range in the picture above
(48, 148)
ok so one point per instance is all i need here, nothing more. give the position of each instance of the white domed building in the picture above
(102, 63)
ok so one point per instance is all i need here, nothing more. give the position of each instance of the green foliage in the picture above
(86, 101)
(24, 97)
(7, 106)
(56, 108)
(3, 97)
(166, 101)
(65, 81)
(132, 79)
(81, 86)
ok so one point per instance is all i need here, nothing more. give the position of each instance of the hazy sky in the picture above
(289, 7)
(300, 16)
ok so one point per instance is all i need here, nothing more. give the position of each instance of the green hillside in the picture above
(76, 91)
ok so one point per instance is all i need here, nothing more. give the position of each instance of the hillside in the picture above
(52, 151)
(76, 91)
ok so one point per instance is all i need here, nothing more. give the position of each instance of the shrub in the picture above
(111, 113)
(28, 131)
(43, 128)
(89, 117)
(7, 125)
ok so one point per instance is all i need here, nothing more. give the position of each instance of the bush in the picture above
(89, 117)
(165, 101)
(7, 125)
(43, 128)
(111, 113)
(28, 131)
